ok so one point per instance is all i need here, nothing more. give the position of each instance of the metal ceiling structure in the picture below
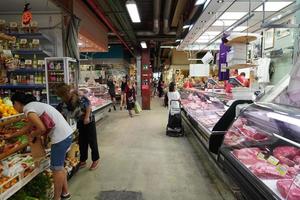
(209, 21)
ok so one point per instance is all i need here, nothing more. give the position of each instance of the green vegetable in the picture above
(38, 186)
(23, 139)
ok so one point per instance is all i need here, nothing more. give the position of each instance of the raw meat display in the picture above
(288, 189)
(248, 156)
(269, 171)
(233, 138)
(288, 155)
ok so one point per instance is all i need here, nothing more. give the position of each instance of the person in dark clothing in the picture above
(79, 108)
(112, 91)
(160, 88)
(123, 87)
(130, 97)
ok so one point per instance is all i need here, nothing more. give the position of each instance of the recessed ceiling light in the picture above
(274, 6)
(202, 21)
(144, 45)
(210, 13)
(220, 1)
(233, 15)
(224, 22)
(240, 28)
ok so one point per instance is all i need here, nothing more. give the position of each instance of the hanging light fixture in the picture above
(133, 11)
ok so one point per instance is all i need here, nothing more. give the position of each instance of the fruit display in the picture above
(6, 108)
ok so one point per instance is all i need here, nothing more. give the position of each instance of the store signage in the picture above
(199, 70)
(27, 15)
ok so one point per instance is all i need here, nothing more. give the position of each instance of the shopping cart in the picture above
(174, 127)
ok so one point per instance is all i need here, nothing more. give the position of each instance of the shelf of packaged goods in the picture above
(12, 151)
(26, 71)
(39, 36)
(23, 181)
(32, 52)
(23, 86)
(6, 37)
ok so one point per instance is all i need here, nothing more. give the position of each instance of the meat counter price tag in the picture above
(282, 170)
(36, 41)
(261, 156)
(272, 160)
(13, 24)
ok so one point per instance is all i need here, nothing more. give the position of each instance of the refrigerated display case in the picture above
(99, 97)
(261, 152)
(59, 70)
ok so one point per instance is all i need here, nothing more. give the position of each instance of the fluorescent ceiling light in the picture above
(133, 11)
(206, 4)
(224, 22)
(274, 6)
(167, 47)
(191, 26)
(240, 28)
(233, 15)
(199, 2)
(144, 45)
(186, 26)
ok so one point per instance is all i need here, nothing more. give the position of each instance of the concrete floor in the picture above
(136, 155)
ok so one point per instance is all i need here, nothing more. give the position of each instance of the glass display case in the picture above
(59, 70)
(204, 108)
(261, 152)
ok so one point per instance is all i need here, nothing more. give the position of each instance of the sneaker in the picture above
(109, 110)
(65, 196)
(115, 108)
(82, 165)
(95, 165)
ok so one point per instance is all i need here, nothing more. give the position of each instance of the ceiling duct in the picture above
(156, 19)
(167, 12)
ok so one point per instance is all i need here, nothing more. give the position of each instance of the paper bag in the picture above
(37, 150)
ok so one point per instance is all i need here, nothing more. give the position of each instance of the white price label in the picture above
(261, 156)
(13, 24)
(223, 67)
(23, 41)
(34, 23)
(36, 41)
(282, 170)
(28, 62)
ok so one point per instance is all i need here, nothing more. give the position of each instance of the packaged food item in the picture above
(41, 64)
(34, 26)
(26, 28)
(23, 43)
(28, 63)
(13, 27)
(35, 43)
(34, 62)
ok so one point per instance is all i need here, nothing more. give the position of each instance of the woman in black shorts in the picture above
(112, 91)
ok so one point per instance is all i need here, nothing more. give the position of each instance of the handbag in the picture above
(137, 108)
(48, 122)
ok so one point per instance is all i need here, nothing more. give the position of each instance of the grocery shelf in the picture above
(26, 71)
(23, 86)
(39, 36)
(32, 51)
(22, 182)
(12, 151)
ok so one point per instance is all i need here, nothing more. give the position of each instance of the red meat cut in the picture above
(297, 160)
(268, 171)
(286, 151)
(288, 190)
(284, 160)
(248, 156)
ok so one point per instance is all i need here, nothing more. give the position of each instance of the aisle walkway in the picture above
(137, 156)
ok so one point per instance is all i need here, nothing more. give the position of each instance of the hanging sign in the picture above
(27, 15)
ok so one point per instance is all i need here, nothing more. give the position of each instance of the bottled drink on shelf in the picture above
(34, 62)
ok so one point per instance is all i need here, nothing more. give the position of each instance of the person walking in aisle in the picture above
(112, 91)
(130, 96)
(60, 135)
(173, 95)
(79, 108)
(123, 87)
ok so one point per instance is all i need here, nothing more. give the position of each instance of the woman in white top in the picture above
(173, 94)
(60, 135)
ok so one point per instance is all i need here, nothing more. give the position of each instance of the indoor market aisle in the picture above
(136, 155)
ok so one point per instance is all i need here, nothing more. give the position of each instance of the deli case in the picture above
(99, 98)
(261, 152)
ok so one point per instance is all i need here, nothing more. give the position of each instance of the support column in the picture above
(138, 78)
(146, 76)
